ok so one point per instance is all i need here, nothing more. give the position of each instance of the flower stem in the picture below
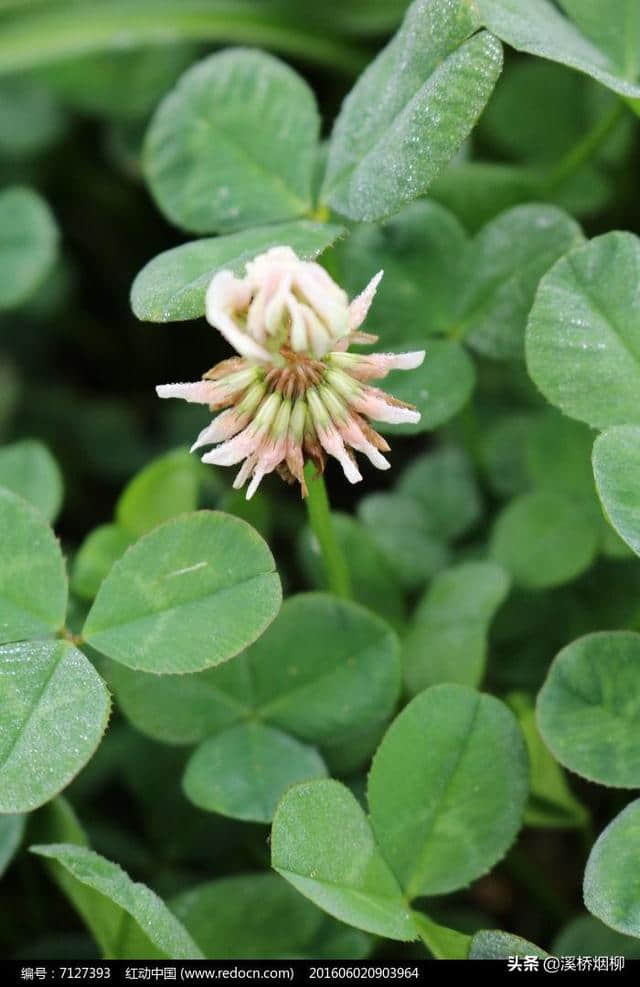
(320, 520)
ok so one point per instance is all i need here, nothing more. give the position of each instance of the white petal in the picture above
(349, 468)
(224, 295)
(260, 268)
(298, 331)
(318, 337)
(358, 440)
(331, 306)
(256, 480)
(255, 316)
(374, 455)
(406, 361)
(331, 441)
(400, 416)
(361, 304)
(376, 458)
(199, 392)
(244, 472)
(275, 306)
(374, 406)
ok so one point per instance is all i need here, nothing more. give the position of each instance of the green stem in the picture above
(64, 634)
(320, 520)
(444, 943)
(585, 149)
(65, 30)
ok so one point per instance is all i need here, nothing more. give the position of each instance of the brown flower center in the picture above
(300, 373)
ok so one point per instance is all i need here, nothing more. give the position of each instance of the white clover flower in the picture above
(294, 393)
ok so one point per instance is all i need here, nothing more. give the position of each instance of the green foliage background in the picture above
(447, 759)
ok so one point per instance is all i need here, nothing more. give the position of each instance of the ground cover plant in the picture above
(399, 716)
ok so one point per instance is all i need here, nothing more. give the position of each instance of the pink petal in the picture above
(226, 425)
(268, 458)
(374, 366)
(295, 460)
(235, 450)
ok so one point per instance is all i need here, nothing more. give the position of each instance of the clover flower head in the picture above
(294, 393)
